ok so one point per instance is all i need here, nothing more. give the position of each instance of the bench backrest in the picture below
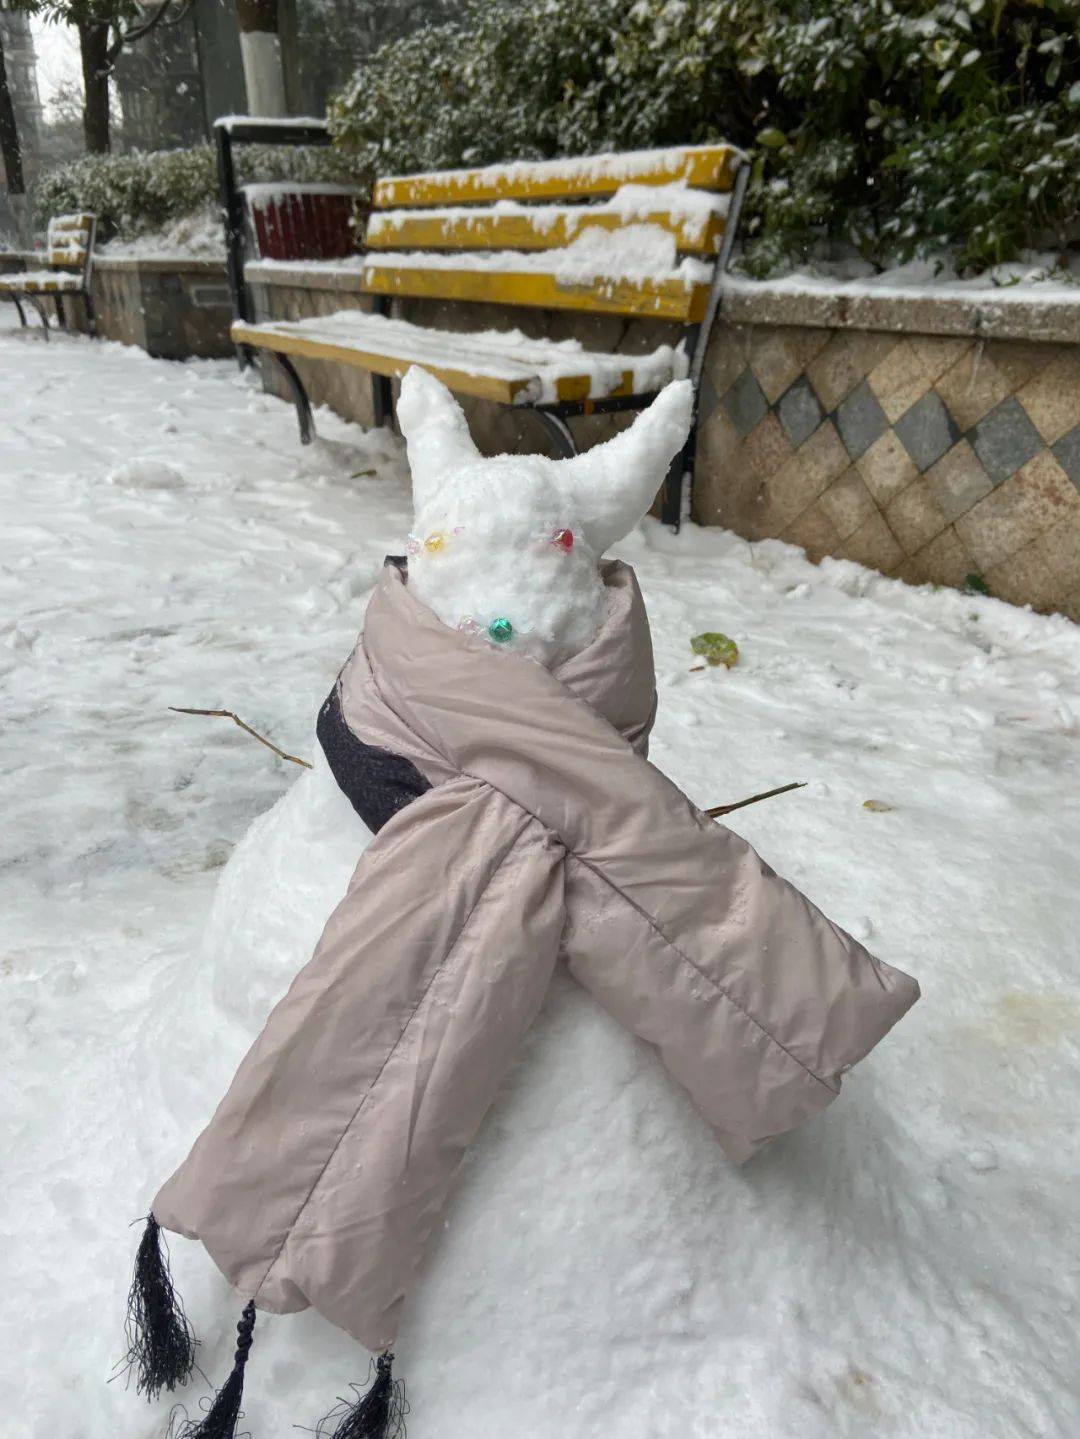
(69, 241)
(628, 234)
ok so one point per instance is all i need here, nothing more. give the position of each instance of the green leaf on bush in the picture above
(771, 138)
(715, 648)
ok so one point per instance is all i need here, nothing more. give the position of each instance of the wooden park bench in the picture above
(644, 235)
(69, 257)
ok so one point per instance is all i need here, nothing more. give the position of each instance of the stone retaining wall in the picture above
(933, 437)
(172, 308)
(929, 458)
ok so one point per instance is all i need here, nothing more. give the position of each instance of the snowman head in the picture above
(509, 548)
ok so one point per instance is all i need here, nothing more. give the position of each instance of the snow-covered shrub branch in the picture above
(143, 191)
(896, 126)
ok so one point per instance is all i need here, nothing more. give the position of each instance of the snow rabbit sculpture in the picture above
(519, 825)
(508, 548)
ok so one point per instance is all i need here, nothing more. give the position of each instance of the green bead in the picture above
(501, 631)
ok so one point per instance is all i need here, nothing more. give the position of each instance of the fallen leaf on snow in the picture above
(715, 648)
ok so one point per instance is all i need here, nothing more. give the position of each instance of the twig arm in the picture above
(228, 714)
(720, 809)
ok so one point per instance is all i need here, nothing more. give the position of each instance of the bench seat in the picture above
(40, 282)
(500, 365)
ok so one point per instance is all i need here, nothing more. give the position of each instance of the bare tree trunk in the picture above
(10, 149)
(94, 51)
(260, 50)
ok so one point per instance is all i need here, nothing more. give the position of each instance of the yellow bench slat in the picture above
(648, 299)
(288, 338)
(36, 286)
(707, 167)
(492, 230)
(485, 387)
(579, 387)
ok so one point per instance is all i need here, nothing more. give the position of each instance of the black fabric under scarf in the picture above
(376, 782)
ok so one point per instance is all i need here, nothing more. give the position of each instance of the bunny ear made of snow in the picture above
(436, 433)
(613, 484)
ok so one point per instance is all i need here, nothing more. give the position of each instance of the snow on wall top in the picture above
(280, 270)
(1035, 299)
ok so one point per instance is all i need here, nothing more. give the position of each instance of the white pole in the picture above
(260, 51)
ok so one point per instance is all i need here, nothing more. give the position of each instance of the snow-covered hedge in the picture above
(146, 191)
(898, 126)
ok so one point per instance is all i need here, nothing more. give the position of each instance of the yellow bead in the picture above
(435, 542)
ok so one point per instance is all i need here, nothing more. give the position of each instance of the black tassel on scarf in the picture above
(378, 1414)
(219, 1422)
(161, 1343)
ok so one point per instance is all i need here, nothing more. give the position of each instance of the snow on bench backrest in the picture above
(694, 217)
(634, 248)
(68, 239)
(706, 167)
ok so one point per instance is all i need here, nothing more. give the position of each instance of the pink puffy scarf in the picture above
(539, 831)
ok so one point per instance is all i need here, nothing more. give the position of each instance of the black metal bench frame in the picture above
(552, 417)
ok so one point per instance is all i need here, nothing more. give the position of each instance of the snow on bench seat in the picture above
(492, 364)
(45, 282)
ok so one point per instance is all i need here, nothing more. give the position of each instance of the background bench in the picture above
(69, 257)
(645, 235)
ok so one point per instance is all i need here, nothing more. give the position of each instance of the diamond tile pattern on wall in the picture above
(927, 430)
(745, 402)
(860, 419)
(1067, 454)
(1005, 439)
(929, 458)
(800, 411)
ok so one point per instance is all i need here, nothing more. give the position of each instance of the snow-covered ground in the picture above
(906, 1265)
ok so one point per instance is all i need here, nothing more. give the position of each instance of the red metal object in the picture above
(302, 222)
